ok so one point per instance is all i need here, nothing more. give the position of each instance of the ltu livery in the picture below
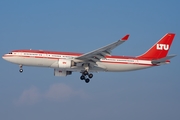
(64, 63)
(162, 47)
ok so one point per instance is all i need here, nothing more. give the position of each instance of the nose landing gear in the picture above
(20, 70)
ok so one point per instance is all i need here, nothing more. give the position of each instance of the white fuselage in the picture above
(51, 59)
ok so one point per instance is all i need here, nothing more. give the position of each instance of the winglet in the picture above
(125, 37)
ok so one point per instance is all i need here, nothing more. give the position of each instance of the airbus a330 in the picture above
(64, 63)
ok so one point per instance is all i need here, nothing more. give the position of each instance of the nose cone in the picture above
(5, 57)
(9, 58)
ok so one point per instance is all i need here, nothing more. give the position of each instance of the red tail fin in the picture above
(160, 49)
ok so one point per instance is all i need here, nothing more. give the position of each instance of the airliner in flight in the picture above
(64, 63)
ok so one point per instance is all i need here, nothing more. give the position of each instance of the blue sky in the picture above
(82, 26)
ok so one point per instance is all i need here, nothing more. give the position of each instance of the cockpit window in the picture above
(10, 53)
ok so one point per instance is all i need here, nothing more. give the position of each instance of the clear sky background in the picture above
(82, 26)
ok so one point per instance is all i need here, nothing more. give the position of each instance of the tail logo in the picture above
(162, 47)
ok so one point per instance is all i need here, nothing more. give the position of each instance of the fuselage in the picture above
(41, 58)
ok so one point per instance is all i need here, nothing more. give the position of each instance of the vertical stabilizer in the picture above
(160, 49)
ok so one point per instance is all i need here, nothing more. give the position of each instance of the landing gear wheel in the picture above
(85, 72)
(87, 80)
(20, 70)
(90, 75)
(82, 77)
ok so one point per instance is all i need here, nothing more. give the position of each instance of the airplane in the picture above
(99, 60)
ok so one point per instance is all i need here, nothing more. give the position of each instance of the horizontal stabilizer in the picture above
(162, 60)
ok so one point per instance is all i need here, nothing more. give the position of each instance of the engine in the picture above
(65, 63)
(58, 72)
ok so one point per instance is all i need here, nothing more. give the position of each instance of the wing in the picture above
(96, 55)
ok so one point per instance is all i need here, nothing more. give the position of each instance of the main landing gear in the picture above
(86, 76)
(20, 70)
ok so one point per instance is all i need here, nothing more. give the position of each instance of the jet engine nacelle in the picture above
(65, 63)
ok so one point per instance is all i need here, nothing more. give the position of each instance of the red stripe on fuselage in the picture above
(129, 63)
(30, 56)
(48, 52)
(66, 53)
